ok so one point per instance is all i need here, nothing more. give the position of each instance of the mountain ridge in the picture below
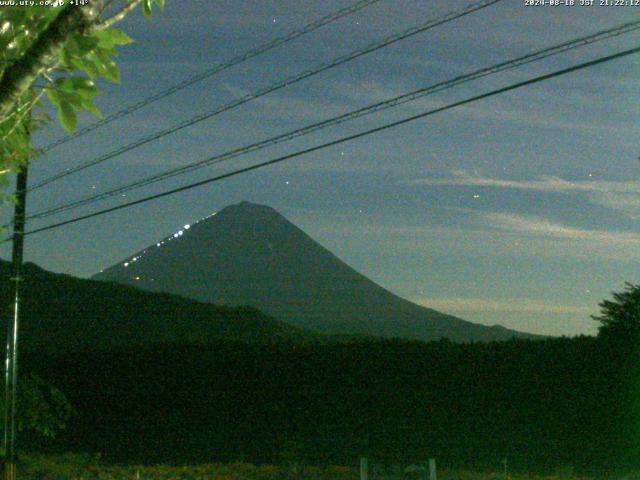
(63, 313)
(249, 254)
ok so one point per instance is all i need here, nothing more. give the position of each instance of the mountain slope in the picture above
(61, 312)
(249, 254)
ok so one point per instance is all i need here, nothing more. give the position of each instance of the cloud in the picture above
(476, 232)
(540, 227)
(545, 183)
(623, 196)
(516, 305)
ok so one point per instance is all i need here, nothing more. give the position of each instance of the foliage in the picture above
(541, 404)
(42, 408)
(544, 405)
(620, 317)
(57, 467)
(59, 51)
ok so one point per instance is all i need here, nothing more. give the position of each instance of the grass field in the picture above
(79, 467)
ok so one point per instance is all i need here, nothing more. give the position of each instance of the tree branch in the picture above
(43, 53)
(22, 113)
(116, 17)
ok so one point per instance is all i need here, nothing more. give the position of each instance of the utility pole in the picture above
(11, 366)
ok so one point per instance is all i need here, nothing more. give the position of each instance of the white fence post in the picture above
(432, 469)
(364, 468)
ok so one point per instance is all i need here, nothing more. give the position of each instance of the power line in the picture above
(332, 17)
(376, 107)
(272, 88)
(348, 138)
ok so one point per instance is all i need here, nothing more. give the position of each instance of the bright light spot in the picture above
(175, 235)
(135, 259)
(287, 182)
(5, 26)
(126, 264)
(180, 232)
(137, 278)
(157, 244)
(476, 196)
(187, 226)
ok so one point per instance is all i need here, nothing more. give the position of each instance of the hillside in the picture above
(62, 312)
(249, 254)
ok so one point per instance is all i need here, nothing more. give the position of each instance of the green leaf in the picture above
(67, 116)
(75, 93)
(94, 64)
(89, 105)
(54, 96)
(86, 43)
(111, 72)
(84, 87)
(146, 7)
(111, 37)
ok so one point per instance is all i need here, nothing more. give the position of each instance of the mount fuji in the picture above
(249, 254)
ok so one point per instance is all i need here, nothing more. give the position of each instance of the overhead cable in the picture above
(376, 107)
(339, 141)
(269, 89)
(332, 17)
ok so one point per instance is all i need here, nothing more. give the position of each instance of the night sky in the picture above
(521, 209)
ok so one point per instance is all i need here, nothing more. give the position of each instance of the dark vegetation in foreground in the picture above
(541, 404)
(156, 378)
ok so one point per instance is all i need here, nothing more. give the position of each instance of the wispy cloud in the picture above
(483, 233)
(545, 183)
(516, 305)
(540, 227)
(623, 196)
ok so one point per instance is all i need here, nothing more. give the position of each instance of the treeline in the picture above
(540, 404)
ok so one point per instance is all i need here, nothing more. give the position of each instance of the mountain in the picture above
(61, 312)
(249, 254)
